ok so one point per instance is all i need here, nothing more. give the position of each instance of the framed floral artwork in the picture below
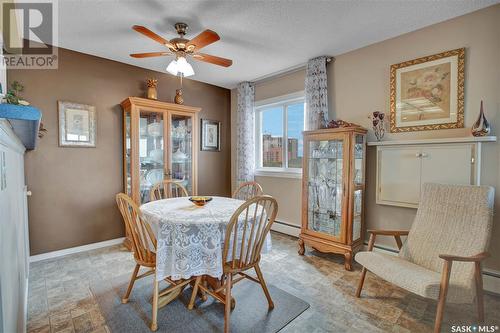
(428, 93)
(77, 125)
(210, 135)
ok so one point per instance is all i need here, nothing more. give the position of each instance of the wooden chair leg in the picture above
(203, 294)
(264, 287)
(131, 283)
(154, 325)
(195, 292)
(227, 303)
(443, 290)
(479, 292)
(361, 282)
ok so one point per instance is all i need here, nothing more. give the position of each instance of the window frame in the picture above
(283, 101)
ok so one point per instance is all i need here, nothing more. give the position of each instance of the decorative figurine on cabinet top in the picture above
(152, 85)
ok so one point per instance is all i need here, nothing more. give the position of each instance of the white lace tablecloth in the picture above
(190, 239)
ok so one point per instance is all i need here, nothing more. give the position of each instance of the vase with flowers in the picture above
(378, 124)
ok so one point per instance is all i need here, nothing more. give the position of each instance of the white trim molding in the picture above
(491, 278)
(77, 249)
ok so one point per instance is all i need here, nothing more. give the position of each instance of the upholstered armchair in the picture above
(441, 258)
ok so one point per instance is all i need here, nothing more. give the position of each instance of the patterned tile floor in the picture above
(60, 299)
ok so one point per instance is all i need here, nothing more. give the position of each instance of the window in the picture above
(279, 126)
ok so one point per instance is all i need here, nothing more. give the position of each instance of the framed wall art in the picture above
(77, 125)
(428, 93)
(210, 135)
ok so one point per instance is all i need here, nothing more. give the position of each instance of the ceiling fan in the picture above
(183, 48)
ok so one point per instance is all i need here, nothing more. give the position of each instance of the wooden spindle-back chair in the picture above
(144, 247)
(248, 190)
(168, 188)
(244, 237)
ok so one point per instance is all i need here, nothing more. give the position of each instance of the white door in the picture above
(399, 171)
(448, 164)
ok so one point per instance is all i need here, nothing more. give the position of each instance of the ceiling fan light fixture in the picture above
(172, 68)
(180, 66)
(184, 67)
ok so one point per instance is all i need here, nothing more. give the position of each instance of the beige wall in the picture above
(359, 84)
(73, 188)
(285, 190)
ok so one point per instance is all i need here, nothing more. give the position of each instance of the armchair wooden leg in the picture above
(479, 291)
(443, 290)
(361, 282)
(227, 303)
(264, 287)
(154, 325)
(195, 292)
(131, 283)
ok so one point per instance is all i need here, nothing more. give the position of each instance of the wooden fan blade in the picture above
(148, 33)
(205, 38)
(150, 54)
(213, 59)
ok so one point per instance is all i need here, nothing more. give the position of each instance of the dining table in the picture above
(190, 238)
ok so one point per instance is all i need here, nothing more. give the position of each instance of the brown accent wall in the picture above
(74, 188)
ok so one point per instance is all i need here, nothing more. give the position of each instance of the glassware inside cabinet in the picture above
(182, 146)
(325, 186)
(151, 147)
(359, 154)
(358, 210)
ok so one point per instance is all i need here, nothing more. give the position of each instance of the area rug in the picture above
(250, 314)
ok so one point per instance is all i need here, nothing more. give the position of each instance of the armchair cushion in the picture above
(451, 219)
(413, 277)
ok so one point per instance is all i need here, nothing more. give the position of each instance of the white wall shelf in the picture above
(466, 139)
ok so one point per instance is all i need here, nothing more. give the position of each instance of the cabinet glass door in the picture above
(127, 151)
(325, 186)
(151, 148)
(181, 159)
(359, 181)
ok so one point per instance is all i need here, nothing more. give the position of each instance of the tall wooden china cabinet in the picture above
(160, 141)
(333, 188)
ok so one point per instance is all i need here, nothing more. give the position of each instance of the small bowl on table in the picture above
(200, 200)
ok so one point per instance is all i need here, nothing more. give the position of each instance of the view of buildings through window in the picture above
(280, 124)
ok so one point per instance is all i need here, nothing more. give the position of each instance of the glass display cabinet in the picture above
(333, 188)
(160, 141)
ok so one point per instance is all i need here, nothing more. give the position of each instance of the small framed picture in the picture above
(210, 135)
(428, 93)
(77, 125)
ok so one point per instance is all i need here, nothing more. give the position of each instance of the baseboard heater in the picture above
(287, 224)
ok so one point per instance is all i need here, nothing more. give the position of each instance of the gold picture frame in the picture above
(77, 125)
(428, 93)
